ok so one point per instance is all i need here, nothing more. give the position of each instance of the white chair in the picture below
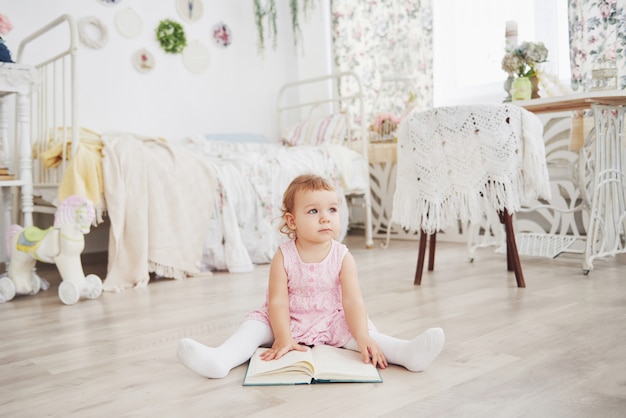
(458, 163)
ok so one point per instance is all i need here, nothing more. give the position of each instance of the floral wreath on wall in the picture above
(171, 36)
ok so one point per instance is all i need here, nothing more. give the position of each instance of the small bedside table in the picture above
(16, 80)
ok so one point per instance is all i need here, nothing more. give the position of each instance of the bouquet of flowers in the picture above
(385, 124)
(521, 61)
(5, 27)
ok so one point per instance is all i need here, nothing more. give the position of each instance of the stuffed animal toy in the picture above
(61, 244)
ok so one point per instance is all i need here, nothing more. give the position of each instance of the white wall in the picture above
(236, 93)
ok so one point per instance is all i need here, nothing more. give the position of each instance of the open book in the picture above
(320, 364)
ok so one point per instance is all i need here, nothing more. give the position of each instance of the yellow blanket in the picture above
(52, 155)
(83, 174)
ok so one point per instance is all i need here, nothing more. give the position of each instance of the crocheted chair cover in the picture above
(458, 162)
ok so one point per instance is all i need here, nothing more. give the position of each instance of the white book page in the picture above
(332, 363)
(292, 361)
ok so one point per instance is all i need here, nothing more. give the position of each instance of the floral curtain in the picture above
(597, 32)
(380, 39)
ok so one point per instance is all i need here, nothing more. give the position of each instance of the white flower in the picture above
(521, 61)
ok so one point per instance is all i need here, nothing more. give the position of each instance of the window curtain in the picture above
(380, 39)
(597, 34)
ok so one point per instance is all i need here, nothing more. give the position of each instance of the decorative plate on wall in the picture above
(143, 60)
(110, 2)
(128, 23)
(196, 57)
(222, 35)
(190, 10)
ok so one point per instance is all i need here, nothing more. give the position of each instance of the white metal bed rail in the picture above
(327, 94)
(52, 50)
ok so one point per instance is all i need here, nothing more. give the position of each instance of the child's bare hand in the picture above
(370, 352)
(280, 348)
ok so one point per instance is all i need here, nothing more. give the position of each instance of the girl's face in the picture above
(315, 215)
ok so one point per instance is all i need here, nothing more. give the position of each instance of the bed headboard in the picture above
(52, 50)
(320, 97)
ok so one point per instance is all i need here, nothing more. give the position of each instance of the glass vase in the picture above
(521, 89)
(507, 87)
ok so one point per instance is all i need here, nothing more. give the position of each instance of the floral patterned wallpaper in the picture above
(597, 31)
(378, 38)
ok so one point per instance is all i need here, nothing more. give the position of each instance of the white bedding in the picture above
(159, 198)
(251, 179)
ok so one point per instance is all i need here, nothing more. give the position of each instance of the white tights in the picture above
(215, 362)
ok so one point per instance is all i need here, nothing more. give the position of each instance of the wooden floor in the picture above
(554, 349)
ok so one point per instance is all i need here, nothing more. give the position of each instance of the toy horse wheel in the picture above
(7, 288)
(96, 286)
(69, 293)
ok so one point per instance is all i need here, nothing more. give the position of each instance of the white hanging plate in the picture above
(109, 2)
(128, 23)
(143, 60)
(196, 57)
(222, 35)
(190, 10)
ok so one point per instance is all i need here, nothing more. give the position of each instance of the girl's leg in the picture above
(216, 362)
(416, 354)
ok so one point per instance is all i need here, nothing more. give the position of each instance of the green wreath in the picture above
(171, 36)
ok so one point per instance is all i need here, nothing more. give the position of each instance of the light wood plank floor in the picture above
(554, 349)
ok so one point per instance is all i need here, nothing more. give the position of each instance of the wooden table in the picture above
(606, 227)
(578, 101)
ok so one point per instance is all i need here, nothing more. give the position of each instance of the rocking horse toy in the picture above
(61, 244)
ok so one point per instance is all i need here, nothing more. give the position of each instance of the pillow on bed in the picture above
(330, 130)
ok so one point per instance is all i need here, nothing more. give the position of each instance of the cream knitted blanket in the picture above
(159, 200)
(458, 162)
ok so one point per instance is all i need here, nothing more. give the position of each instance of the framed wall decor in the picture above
(190, 10)
(92, 32)
(109, 2)
(196, 57)
(143, 60)
(222, 35)
(128, 23)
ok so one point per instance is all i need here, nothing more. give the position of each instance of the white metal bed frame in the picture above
(54, 106)
(327, 100)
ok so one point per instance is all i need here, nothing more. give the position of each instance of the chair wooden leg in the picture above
(512, 256)
(421, 253)
(431, 251)
(513, 262)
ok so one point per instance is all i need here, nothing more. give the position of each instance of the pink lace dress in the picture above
(317, 315)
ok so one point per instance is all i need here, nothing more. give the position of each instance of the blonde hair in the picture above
(302, 183)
